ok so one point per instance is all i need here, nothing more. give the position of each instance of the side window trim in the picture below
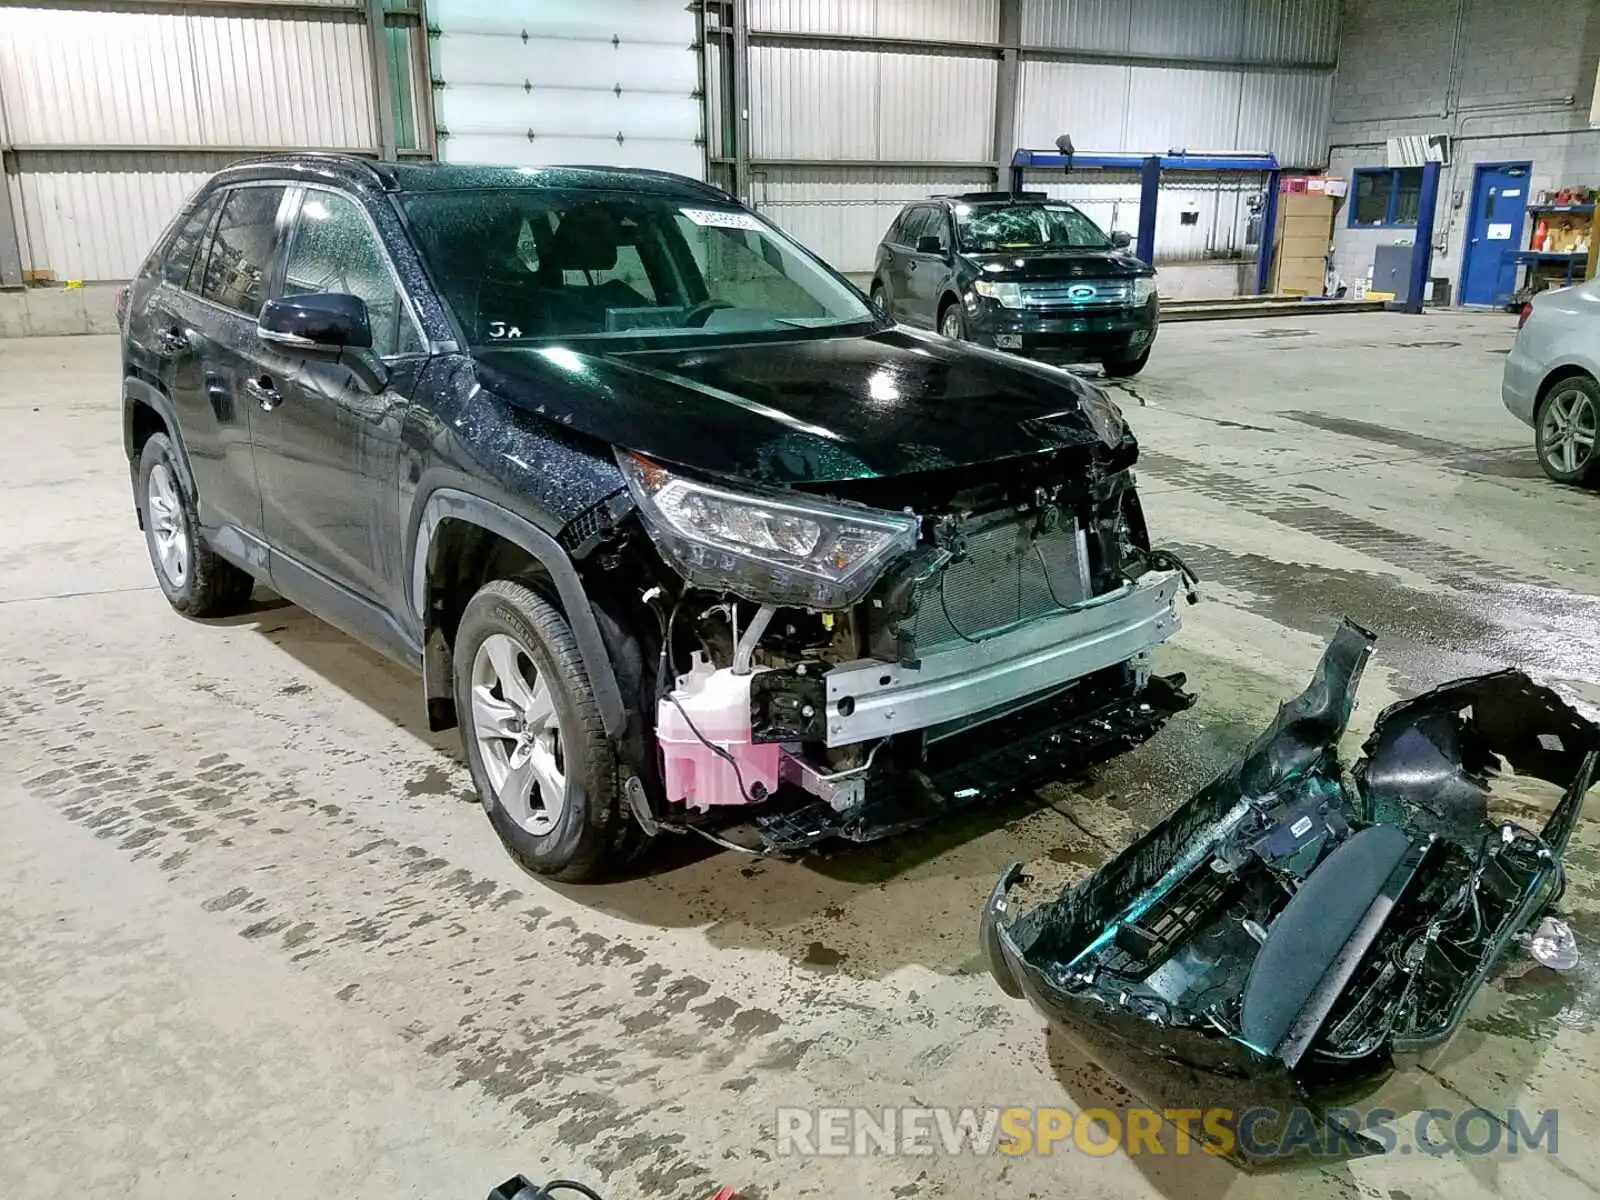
(407, 308)
(202, 252)
(274, 266)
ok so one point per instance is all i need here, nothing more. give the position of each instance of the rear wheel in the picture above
(1564, 434)
(952, 324)
(194, 580)
(545, 770)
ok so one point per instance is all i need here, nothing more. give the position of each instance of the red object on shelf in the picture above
(1541, 234)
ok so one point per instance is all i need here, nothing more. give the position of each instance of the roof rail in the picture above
(992, 196)
(369, 167)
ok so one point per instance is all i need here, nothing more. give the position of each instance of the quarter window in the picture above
(241, 251)
(334, 250)
(180, 255)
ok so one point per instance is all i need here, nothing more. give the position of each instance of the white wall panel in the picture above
(1088, 100)
(264, 81)
(1220, 206)
(842, 215)
(1172, 109)
(1154, 109)
(535, 82)
(1186, 28)
(1077, 24)
(124, 78)
(1286, 114)
(859, 105)
(95, 217)
(1268, 31)
(976, 20)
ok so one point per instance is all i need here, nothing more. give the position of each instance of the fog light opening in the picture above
(1008, 341)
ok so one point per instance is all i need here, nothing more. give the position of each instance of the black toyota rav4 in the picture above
(682, 533)
(1020, 272)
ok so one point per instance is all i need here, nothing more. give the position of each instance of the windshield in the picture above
(525, 265)
(1027, 227)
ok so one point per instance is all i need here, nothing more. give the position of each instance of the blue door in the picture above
(1494, 232)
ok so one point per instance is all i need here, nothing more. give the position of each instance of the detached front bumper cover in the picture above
(1296, 922)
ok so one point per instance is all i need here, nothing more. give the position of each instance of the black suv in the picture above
(1020, 272)
(681, 532)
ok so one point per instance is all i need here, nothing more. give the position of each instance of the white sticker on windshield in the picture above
(717, 218)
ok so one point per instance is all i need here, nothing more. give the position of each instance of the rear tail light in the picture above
(1527, 311)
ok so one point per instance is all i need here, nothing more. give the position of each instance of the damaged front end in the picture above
(1292, 920)
(856, 659)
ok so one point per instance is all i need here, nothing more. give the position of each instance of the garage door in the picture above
(535, 82)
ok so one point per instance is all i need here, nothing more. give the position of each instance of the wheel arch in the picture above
(1558, 375)
(451, 522)
(146, 410)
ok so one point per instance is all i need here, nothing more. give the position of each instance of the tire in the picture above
(1568, 414)
(953, 322)
(553, 733)
(1125, 368)
(879, 298)
(194, 580)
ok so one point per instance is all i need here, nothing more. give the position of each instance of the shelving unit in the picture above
(1558, 268)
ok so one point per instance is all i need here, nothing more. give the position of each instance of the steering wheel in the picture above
(697, 316)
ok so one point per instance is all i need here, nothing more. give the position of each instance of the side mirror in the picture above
(330, 325)
(1120, 239)
(928, 244)
(318, 321)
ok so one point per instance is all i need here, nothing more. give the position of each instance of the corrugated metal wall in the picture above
(1270, 90)
(864, 105)
(842, 216)
(975, 20)
(96, 100)
(897, 121)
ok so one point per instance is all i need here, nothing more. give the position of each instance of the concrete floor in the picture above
(260, 942)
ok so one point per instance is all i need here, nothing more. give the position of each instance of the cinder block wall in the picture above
(1508, 81)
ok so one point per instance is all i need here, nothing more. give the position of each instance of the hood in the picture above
(1058, 264)
(815, 410)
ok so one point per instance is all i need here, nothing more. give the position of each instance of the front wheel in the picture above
(1125, 368)
(1564, 434)
(952, 324)
(545, 770)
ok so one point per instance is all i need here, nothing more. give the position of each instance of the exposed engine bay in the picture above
(1293, 917)
(839, 674)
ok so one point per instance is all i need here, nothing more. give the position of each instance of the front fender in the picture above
(448, 503)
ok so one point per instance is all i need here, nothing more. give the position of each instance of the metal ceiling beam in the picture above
(232, 8)
(382, 85)
(1005, 92)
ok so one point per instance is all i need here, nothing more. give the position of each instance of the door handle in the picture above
(264, 393)
(172, 340)
(911, 266)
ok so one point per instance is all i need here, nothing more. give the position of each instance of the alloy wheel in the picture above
(518, 734)
(1569, 430)
(169, 525)
(950, 327)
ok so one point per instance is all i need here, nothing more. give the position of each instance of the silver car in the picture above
(1550, 380)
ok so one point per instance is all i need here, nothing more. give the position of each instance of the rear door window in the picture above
(180, 256)
(241, 252)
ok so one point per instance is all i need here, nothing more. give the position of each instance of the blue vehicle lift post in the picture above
(1422, 250)
(1150, 168)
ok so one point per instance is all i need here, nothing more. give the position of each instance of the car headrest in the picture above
(586, 240)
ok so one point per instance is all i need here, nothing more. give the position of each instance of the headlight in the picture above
(1143, 289)
(1006, 295)
(1104, 415)
(766, 548)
